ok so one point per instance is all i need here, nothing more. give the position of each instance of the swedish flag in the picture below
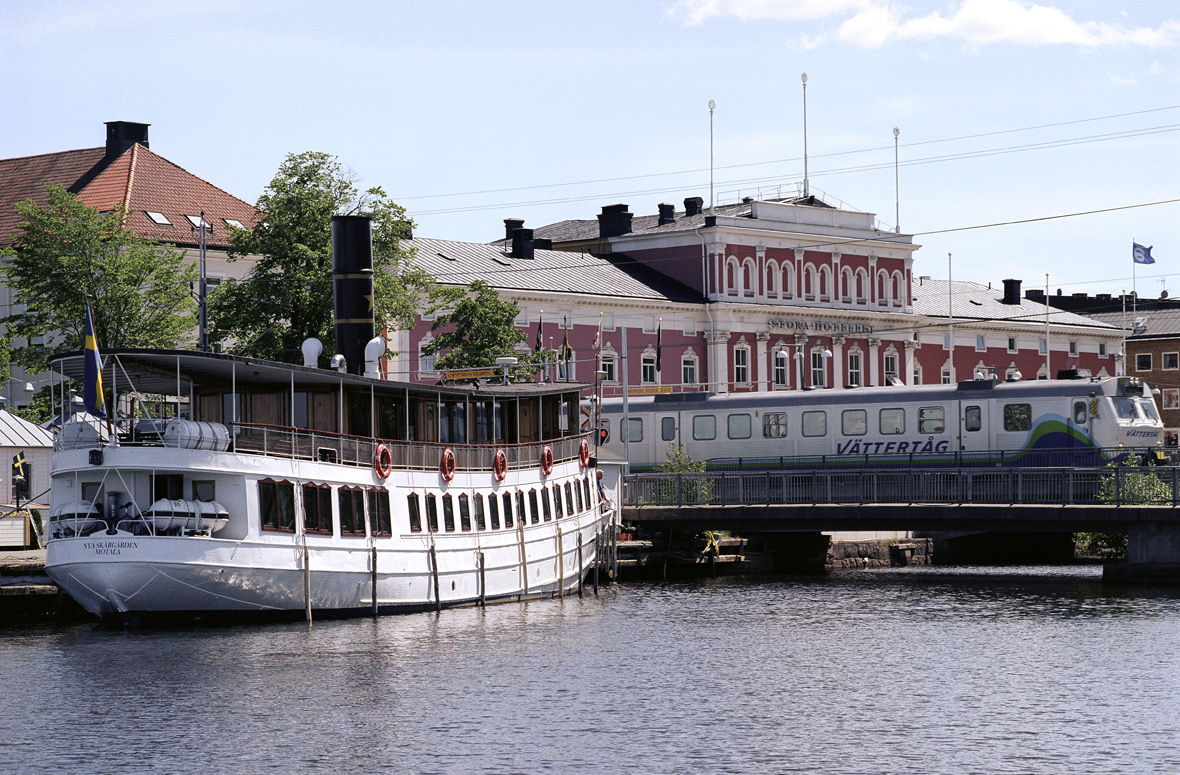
(19, 464)
(92, 392)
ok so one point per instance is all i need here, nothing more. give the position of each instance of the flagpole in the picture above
(1048, 372)
(1134, 291)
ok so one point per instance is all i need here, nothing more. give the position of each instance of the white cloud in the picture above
(974, 23)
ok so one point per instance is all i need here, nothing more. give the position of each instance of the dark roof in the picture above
(975, 301)
(138, 179)
(461, 263)
(1158, 323)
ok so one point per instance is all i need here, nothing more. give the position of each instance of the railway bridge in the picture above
(1140, 501)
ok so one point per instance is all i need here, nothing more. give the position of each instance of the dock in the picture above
(28, 596)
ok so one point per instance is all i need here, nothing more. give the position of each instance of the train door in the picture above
(1079, 422)
(975, 428)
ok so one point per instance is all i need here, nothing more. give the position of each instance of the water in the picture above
(1033, 670)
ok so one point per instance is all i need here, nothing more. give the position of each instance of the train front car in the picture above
(1133, 420)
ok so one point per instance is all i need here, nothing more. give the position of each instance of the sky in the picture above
(1034, 138)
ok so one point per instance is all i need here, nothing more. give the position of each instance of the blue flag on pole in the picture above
(1140, 254)
(92, 393)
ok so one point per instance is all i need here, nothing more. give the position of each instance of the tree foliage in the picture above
(66, 250)
(478, 328)
(287, 295)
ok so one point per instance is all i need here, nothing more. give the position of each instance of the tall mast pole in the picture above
(806, 185)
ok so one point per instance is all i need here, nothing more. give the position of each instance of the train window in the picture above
(633, 429)
(854, 422)
(667, 428)
(704, 427)
(892, 421)
(1079, 413)
(815, 423)
(973, 418)
(739, 426)
(931, 419)
(1147, 406)
(1018, 417)
(1124, 408)
(774, 425)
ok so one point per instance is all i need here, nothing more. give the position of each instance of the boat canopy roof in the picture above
(169, 372)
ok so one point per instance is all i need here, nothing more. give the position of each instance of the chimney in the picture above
(613, 221)
(511, 225)
(693, 205)
(667, 214)
(1011, 291)
(121, 135)
(522, 243)
(352, 281)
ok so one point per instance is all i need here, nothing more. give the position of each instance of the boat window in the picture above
(533, 507)
(170, 486)
(381, 521)
(667, 428)
(854, 422)
(546, 510)
(276, 505)
(973, 418)
(578, 492)
(464, 513)
(480, 522)
(704, 427)
(1018, 417)
(507, 509)
(415, 513)
(431, 513)
(892, 421)
(569, 498)
(205, 491)
(494, 511)
(317, 508)
(774, 425)
(738, 426)
(931, 419)
(633, 429)
(1147, 406)
(448, 513)
(815, 424)
(92, 493)
(557, 501)
(351, 501)
(521, 514)
(586, 490)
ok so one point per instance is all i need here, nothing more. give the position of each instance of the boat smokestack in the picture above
(352, 277)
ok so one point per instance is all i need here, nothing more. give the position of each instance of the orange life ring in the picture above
(584, 454)
(446, 465)
(547, 460)
(382, 462)
(500, 466)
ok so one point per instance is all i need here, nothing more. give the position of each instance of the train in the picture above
(985, 421)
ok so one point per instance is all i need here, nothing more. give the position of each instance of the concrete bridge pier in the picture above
(1153, 555)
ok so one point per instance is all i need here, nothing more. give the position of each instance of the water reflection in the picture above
(916, 670)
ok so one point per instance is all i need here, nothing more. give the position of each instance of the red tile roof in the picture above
(140, 180)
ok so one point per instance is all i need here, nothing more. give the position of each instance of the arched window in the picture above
(731, 269)
(787, 289)
(846, 285)
(809, 283)
(772, 276)
(748, 275)
(862, 286)
(883, 288)
(825, 283)
(898, 291)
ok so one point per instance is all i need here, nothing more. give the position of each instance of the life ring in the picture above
(382, 462)
(500, 466)
(584, 454)
(446, 465)
(547, 460)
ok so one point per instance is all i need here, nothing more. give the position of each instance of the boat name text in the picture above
(110, 547)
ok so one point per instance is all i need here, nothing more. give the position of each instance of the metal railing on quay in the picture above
(1118, 485)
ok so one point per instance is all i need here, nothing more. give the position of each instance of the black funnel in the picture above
(352, 278)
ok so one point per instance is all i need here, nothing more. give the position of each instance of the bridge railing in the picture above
(1111, 485)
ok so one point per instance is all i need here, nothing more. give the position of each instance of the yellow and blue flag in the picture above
(92, 392)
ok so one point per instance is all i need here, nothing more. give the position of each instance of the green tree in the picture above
(478, 328)
(287, 295)
(66, 250)
(691, 490)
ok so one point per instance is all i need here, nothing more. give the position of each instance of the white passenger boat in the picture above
(279, 490)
